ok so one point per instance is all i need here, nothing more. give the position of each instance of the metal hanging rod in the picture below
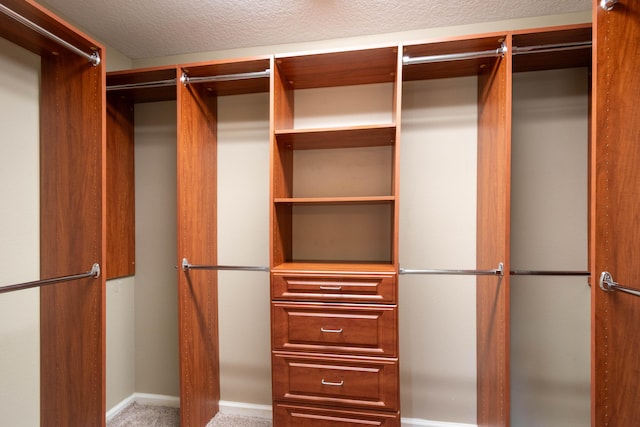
(549, 273)
(407, 60)
(607, 284)
(186, 266)
(557, 47)
(496, 272)
(94, 272)
(93, 58)
(185, 79)
(143, 85)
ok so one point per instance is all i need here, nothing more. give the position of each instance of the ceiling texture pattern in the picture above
(153, 28)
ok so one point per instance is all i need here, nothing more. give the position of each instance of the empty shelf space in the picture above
(341, 137)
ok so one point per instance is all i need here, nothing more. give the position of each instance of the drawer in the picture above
(367, 383)
(362, 288)
(335, 328)
(303, 416)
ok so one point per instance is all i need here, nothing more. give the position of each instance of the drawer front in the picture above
(335, 328)
(365, 288)
(348, 382)
(303, 416)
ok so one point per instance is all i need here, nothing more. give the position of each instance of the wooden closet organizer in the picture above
(334, 238)
(72, 216)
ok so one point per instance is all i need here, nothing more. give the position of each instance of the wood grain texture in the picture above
(287, 415)
(120, 260)
(72, 201)
(367, 382)
(281, 173)
(615, 202)
(197, 290)
(494, 160)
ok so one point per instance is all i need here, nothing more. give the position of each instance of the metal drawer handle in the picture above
(340, 384)
(331, 331)
(331, 288)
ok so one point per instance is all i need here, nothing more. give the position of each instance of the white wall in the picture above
(156, 293)
(438, 230)
(550, 327)
(19, 236)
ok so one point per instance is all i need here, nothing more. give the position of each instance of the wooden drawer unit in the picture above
(302, 416)
(359, 288)
(370, 383)
(335, 328)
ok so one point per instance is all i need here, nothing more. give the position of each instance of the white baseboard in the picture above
(417, 422)
(248, 409)
(144, 399)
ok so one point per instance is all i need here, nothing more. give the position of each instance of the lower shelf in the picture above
(285, 415)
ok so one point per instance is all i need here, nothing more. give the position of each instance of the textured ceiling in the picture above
(152, 28)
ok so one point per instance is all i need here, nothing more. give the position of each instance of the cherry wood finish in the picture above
(318, 341)
(121, 161)
(356, 382)
(493, 233)
(197, 290)
(337, 287)
(72, 218)
(615, 230)
(120, 188)
(72, 238)
(288, 415)
(148, 76)
(355, 136)
(197, 234)
(550, 36)
(337, 328)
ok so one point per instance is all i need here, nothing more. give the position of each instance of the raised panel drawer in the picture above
(345, 381)
(304, 416)
(335, 328)
(363, 288)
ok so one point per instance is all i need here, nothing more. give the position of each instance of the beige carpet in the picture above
(137, 415)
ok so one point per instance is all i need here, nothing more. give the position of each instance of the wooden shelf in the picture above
(230, 67)
(141, 76)
(340, 137)
(349, 67)
(451, 68)
(553, 60)
(362, 200)
(340, 267)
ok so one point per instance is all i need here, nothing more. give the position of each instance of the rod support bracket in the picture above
(607, 283)
(608, 4)
(185, 264)
(95, 270)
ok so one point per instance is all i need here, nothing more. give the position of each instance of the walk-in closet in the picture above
(416, 231)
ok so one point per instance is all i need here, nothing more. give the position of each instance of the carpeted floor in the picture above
(137, 415)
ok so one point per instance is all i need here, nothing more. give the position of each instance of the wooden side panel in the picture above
(120, 189)
(72, 164)
(197, 290)
(281, 166)
(494, 159)
(615, 204)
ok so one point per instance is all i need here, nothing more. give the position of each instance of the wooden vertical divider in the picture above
(72, 230)
(494, 170)
(197, 290)
(120, 188)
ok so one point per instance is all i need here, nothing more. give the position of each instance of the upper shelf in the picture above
(553, 36)
(343, 68)
(233, 75)
(344, 137)
(146, 77)
(450, 68)
(32, 40)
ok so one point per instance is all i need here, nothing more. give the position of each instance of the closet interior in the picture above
(493, 174)
(71, 212)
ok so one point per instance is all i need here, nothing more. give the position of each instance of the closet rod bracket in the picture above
(607, 284)
(608, 4)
